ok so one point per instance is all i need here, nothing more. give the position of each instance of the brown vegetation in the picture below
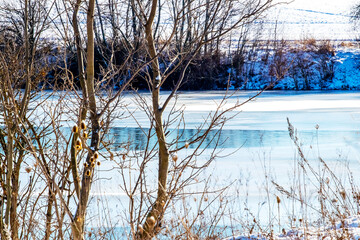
(60, 166)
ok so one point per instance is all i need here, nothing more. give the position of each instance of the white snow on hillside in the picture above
(349, 228)
(320, 19)
(346, 72)
(305, 66)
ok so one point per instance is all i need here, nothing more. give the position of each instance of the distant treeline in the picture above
(192, 47)
(286, 65)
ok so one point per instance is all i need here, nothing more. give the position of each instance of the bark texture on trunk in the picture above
(155, 214)
(79, 219)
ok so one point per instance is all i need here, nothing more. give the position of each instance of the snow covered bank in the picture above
(349, 228)
(300, 65)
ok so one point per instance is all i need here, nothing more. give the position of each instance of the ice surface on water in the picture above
(270, 110)
(260, 130)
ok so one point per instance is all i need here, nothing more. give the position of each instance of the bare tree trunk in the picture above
(49, 212)
(14, 200)
(101, 23)
(113, 19)
(136, 30)
(127, 19)
(188, 38)
(9, 160)
(27, 62)
(79, 220)
(80, 63)
(207, 18)
(78, 42)
(158, 21)
(8, 148)
(12, 166)
(157, 209)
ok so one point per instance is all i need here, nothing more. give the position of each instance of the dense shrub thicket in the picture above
(301, 65)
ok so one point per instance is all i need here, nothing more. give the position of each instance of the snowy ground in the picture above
(308, 64)
(347, 229)
(320, 19)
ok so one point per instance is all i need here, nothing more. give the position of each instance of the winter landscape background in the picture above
(192, 119)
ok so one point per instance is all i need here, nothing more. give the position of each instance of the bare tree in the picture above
(157, 55)
(194, 41)
(21, 60)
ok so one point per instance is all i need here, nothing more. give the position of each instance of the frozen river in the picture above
(256, 150)
(328, 126)
(333, 110)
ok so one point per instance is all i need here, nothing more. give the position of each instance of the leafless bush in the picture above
(321, 196)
